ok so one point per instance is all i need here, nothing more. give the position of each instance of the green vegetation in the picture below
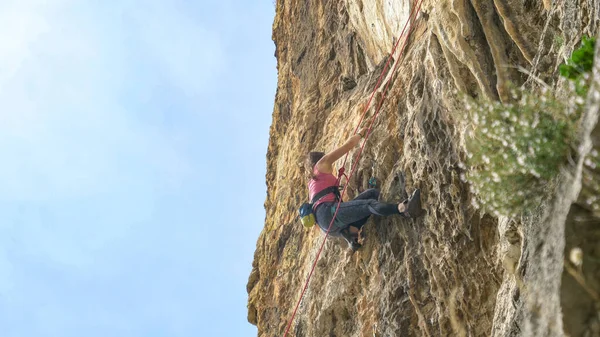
(516, 151)
(581, 61)
(579, 65)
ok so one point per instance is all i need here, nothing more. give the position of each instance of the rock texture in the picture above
(454, 271)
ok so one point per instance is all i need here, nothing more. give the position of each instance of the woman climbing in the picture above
(352, 215)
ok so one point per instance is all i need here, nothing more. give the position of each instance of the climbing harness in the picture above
(307, 212)
(341, 171)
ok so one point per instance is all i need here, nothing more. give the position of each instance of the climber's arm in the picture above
(325, 165)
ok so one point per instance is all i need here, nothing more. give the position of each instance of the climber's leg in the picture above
(371, 193)
(357, 210)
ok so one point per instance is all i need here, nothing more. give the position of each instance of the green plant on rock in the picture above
(579, 65)
(515, 151)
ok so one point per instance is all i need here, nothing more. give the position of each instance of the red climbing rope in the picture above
(354, 166)
(383, 72)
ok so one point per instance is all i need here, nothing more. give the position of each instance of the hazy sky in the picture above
(133, 137)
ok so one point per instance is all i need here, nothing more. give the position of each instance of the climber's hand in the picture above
(363, 132)
(325, 165)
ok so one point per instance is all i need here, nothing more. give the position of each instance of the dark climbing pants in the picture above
(353, 213)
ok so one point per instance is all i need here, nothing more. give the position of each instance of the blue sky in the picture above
(133, 137)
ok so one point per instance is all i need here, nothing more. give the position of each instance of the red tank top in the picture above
(319, 183)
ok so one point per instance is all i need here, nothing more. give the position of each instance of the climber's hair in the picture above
(311, 161)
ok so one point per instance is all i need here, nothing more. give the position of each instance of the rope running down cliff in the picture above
(354, 166)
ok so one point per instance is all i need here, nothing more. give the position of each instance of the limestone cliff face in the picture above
(454, 271)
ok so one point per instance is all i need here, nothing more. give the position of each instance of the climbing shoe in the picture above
(412, 207)
(351, 239)
(354, 245)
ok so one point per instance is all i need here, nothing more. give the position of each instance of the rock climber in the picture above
(352, 215)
